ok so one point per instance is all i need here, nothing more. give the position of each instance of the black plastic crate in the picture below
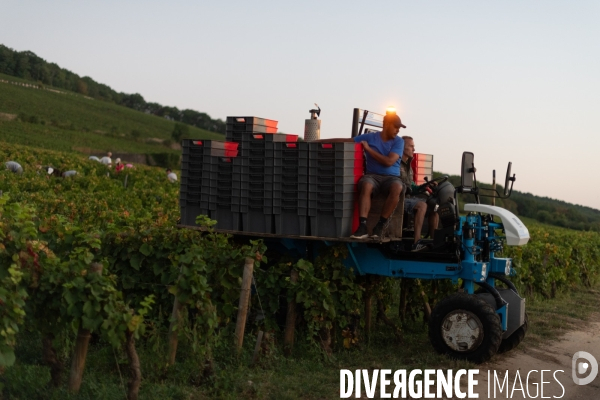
(336, 164)
(193, 158)
(256, 161)
(335, 150)
(189, 212)
(226, 219)
(336, 208)
(289, 222)
(332, 196)
(250, 128)
(327, 225)
(332, 179)
(288, 174)
(247, 185)
(256, 220)
(292, 149)
(327, 170)
(287, 186)
(251, 120)
(280, 203)
(301, 163)
(257, 153)
(326, 188)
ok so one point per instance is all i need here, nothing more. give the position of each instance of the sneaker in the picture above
(378, 230)
(419, 246)
(361, 232)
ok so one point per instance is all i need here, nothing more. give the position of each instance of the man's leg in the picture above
(366, 186)
(434, 219)
(419, 213)
(364, 198)
(392, 200)
(393, 187)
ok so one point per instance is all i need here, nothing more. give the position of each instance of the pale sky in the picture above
(508, 80)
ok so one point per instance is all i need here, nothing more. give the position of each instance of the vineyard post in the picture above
(403, 296)
(134, 366)
(240, 325)
(174, 330)
(368, 306)
(81, 346)
(426, 306)
(290, 321)
(257, 347)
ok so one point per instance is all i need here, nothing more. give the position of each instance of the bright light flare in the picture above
(390, 110)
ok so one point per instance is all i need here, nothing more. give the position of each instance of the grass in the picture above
(308, 374)
(549, 319)
(70, 122)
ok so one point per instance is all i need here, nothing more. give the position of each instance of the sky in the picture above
(507, 80)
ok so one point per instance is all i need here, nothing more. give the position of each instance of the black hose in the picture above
(500, 302)
(508, 283)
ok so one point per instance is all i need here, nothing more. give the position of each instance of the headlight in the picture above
(507, 268)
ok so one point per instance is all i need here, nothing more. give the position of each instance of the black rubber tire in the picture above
(486, 316)
(517, 337)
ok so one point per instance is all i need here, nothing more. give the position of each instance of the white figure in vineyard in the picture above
(14, 166)
(171, 176)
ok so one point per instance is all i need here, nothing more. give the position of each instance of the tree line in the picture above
(27, 65)
(543, 209)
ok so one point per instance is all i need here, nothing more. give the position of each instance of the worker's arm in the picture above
(386, 161)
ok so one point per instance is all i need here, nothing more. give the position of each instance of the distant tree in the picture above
(135, 134)
(179, 132)
(82, 87)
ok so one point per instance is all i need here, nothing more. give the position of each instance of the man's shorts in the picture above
(410, 203)
(381, 183)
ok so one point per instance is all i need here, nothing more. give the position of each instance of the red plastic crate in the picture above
(422, 166)
(253, 121)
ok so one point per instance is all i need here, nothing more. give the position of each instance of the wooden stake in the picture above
(257, 347)
(81, 347)
(403, 296)
(426, 306)
(174, 331)
(134, 366)
(240, 325)
(368, 303)
(52, 360)
(290, 321)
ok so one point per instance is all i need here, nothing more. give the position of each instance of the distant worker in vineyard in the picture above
(119, 166)
(414, 205)
(107, 160)
(171, 176)
(14, 166)
(383, 151)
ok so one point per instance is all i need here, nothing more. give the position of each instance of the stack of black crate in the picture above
(190, 193)
(253, 174)
(207, 182)
(290, 188)
(331, 182)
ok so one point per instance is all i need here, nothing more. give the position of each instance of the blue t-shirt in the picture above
(384, 148)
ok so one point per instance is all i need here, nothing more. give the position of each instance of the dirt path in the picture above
(557, 356)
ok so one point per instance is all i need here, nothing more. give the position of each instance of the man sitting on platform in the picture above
(383, 151)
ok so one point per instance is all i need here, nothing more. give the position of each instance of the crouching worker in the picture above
(414, 205)
(383, 151)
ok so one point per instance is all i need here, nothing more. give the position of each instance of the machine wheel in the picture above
(465, 327)
(517, 337)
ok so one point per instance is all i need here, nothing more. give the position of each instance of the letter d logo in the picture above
(581, 368)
